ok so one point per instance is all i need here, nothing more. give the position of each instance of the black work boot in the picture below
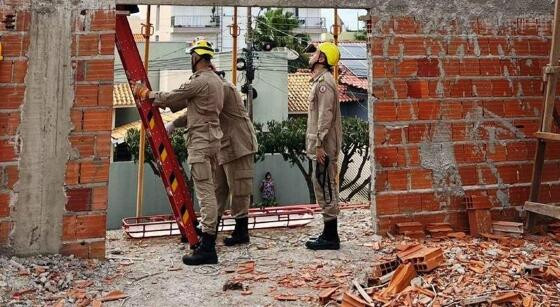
(328, 240)
(198, 230)
(205, 253)
(240, 234)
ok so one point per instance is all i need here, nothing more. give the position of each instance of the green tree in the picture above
(277, 27)
(288, 139)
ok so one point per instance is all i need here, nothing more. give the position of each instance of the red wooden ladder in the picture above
(170, 169)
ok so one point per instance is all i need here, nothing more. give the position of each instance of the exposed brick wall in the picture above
(87, 171)
(13, 69)
(458, 104)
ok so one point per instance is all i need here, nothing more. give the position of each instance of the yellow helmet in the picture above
(201, 46)
(331, 52)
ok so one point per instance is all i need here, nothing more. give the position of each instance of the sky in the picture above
(349, 17)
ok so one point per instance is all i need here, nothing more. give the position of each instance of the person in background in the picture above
(268, 192)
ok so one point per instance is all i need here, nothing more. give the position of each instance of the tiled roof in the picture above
(348, 78)
(118, 134)
(122, 96)
(298, 92)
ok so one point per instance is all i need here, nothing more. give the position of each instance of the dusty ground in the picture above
(150, 272)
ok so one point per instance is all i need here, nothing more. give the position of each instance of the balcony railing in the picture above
(312, 22)
(195, 21)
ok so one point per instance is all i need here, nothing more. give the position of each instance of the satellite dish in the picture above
(290, 54)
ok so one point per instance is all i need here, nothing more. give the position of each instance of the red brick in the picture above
(525, 172)
(551, 172)
(430, 202)
(90, 226)
(406, 25)
(6, 71)
(107, 44)
(5, 229)
(95, 171)
(84, 249)
(490, 67)
(434, 46)
(406, 111)
(99, 198)
(76, 116)
(69, 228)
(386, 156)
(414, 46)
(493, 107)
(12, 97)
(518, 195)
(539, 46)
(14, 45)
(23, 20)
(451, 110)
(10, 175)
(103, 146)
(498, 46)
(7, 151)
(439, 88)
(428, 67)
(459, 131)
(417, 89)
(428, 110)
(416, 133)
(4, 204)
(99, 70)
(86, 95)
(9, 123)
(455, 44)
(521, 46)
(98, 120)
(103, 20)
(497, 153)
(517, 108)
(78, 199)
(469, 175)
(527, 126)
(398, 180)
(385, 111)
(414, 156)
(510, 67)
(410, 203)
(387, 204)
(529, 67)
(407, 68)
(400, 87)
(380, 181)
(488, 175)
(469, 67)
(88, 44)
(105, 97)
(452, 68)
(72, 173)
(483, 88)
(501, 88)
(84, 144)
(519, 151)
(461, 88)
(421, 179)
(20, 71)
(508, 173)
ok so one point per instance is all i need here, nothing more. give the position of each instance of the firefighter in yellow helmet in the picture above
(324, 140)
(203, 96)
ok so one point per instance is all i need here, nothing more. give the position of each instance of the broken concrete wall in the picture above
(459, 93)
(56, 79)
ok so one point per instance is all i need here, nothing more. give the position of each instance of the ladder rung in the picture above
(543, 209)
(549, 136)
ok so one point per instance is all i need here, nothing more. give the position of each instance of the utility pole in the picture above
(250, 72)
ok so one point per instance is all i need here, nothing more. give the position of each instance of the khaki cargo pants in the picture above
(330, 210)
(203, 163)
(234, 186)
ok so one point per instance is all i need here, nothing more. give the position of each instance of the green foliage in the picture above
(277, 27)
(361, 35)
(132, 140)
(288, 139)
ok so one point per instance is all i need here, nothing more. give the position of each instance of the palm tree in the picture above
(275, 28)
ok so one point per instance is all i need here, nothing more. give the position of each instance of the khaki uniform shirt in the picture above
(203, 96)
(324, 123)
(239, 137)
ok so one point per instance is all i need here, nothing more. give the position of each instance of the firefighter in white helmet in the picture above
(203, 96)
(324, 140)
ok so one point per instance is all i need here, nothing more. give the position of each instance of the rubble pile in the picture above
(55, 280)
